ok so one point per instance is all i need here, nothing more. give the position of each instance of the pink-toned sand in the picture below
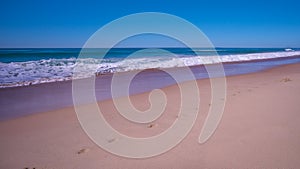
(260, 128)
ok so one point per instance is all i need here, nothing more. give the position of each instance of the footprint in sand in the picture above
(111, 140)
(151, 125)
(236, 93)
(84, 150)
(286, 79)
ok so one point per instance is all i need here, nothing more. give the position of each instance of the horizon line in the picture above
(140, 47)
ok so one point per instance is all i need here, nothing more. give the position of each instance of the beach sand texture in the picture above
(260, 128)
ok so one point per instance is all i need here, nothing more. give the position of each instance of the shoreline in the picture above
(33, 83)
(56, 95)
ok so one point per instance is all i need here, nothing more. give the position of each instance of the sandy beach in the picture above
(260, 128)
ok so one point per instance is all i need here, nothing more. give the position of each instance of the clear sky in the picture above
(227, 23)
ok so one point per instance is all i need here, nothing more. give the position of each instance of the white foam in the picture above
(148, 63)
(288, 49)
(43, 71)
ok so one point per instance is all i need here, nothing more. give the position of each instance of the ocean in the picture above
(22, 67)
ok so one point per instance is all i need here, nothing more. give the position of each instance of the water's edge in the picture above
(25, 100)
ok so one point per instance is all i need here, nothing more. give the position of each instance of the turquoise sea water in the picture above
(19, 67)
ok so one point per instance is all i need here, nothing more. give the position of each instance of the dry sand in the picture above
(260, 128)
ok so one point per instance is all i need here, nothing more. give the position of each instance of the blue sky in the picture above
(229, 23)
